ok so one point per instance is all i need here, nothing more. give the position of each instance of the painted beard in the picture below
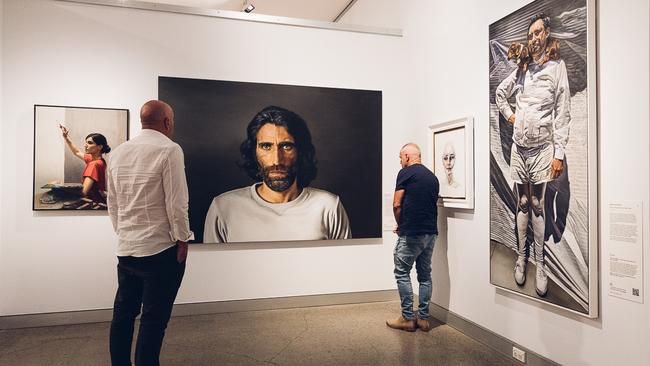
(279, 177)
(536, 47)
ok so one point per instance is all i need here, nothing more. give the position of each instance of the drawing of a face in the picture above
(276, 155)
(449, 157)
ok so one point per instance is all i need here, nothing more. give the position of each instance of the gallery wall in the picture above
(1, 137)
(71, 54)
(448, 43)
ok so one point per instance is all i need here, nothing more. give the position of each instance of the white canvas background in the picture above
(49, 147)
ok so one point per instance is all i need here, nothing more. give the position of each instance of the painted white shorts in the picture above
(534, 169)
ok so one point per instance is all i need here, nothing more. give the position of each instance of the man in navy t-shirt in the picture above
(416, 213)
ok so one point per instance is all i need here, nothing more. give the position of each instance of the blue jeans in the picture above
(151, 284)
(408, 250)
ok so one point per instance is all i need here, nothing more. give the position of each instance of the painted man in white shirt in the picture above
(147, 204)
(541, 132)
(278, 153)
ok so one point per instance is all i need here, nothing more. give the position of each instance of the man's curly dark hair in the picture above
(296, 126)
(543, 17)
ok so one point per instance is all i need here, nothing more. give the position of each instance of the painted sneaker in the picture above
(520, 271)
(541, 281)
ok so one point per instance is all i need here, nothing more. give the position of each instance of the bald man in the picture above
(416, 213)
(147, 204)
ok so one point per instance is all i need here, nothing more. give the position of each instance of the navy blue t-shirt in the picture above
(419, 214)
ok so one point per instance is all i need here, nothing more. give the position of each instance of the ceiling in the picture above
(323, 10)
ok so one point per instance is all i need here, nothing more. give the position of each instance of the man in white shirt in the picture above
(541, 132)
(147, 204)
(279, 154)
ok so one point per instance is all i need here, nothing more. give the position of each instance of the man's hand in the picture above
(396, 229)
(181, 251)
(511, 120)
(557, 166)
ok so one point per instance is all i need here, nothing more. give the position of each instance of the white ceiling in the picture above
(324, 10)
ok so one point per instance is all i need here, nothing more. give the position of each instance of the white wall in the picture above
(447, 41)
(1, 136)
(83, 55)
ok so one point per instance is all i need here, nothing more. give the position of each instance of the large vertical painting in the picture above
(71, 145)
(278, 163)
(543, 204)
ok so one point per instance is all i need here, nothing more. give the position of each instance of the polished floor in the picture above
(329, 335)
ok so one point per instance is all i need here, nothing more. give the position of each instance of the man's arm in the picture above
(176, 200)
(398, 197)
(504, 91)
(210, 233)
(111, 199)
(561, 124)
(339, 223)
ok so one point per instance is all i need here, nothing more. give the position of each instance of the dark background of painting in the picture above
(211, 118)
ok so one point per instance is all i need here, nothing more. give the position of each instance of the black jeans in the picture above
(151, 283)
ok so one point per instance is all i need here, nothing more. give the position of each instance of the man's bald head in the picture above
(410, 154)
(412, 149)
(158, 115)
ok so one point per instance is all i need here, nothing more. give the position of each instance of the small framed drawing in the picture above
(452, 159)
(70, 152)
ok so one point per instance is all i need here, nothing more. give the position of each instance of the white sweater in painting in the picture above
(241, 215)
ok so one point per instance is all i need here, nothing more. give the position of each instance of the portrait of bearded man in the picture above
(279, 155)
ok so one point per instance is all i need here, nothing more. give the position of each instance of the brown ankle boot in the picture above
(424, 325)
(402, 323)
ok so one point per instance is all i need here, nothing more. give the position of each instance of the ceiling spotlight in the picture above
(248, 7)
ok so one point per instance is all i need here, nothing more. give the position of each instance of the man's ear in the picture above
(167, 123)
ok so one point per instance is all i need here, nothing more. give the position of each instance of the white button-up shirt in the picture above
(543, 106)
(147, 194)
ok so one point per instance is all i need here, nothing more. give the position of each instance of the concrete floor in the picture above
(329, 335)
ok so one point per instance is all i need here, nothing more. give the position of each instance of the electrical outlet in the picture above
(519, 354)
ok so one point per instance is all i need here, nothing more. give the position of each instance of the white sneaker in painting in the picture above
(541, 281)
(520, 271)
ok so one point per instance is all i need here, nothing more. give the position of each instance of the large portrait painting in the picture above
(70, 147)
(268, 162)
(543, 203)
